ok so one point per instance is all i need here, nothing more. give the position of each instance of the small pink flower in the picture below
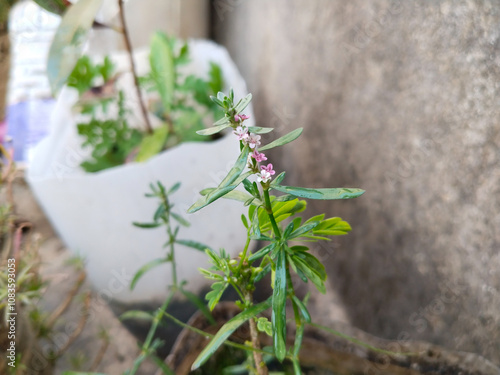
(258, 156)
(268, 168)
(265, 173)
(253, 140)
(242, 133)
(241, 117)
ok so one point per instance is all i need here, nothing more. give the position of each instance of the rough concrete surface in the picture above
(402, 99)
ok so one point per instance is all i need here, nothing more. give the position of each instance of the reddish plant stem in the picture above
(260, 366)
(128, 45)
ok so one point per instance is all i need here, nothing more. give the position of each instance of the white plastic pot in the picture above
(93, 213)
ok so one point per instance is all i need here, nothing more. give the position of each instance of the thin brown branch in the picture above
(260, 365)
(79, 329)
(100, 355)
(128, 45)
(51, 320)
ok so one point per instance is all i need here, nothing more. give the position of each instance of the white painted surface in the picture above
(93, 213)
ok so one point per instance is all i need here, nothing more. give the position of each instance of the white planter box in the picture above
(93, 213)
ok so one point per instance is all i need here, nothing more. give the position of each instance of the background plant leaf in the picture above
(69, 40)
(162, 68)
(53, 6)
(152, 144)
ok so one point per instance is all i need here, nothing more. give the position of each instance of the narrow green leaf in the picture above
(213, 130)
(292, 136)
(329, 193)
(173, 189)
(234, 194)
(299, 248)
(227, 330)
(146, 268)
(180, 219)
(54, 6)
(259, 130)
(161, 60)
(137, 314)
(217, 101)
(243, 103)
(285, 198)
(262, 252)
(280, 208)
(303, 229)
(225, 185)
(249, 187)
(315, 218)
(160, 211)
(152, 144)
(238, 167)
(146, 225)
(261, 274)
(209, 198)
(69, 39)
(288, 230)
(313, 263)
(277, 180)
(255, 229)
(222, 121)
(278, 316)
(193, 244)
(302, 308)
(310, 273)
(195, 300)
(244, 220)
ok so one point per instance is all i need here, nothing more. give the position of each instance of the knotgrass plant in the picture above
(273, 220)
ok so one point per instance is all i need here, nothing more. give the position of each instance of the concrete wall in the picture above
(402, 99)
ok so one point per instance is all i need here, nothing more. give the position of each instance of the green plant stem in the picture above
(172, 257)
(171, 240)
(128, 45)
(152, 330)
(243, 257)
(361, 343)
(269, 210)
(299, 326)
(237, 289)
